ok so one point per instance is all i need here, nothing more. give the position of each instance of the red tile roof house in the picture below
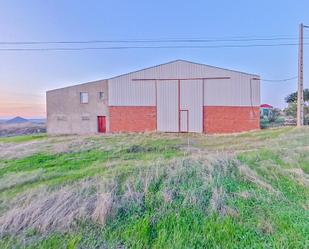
(178, 96)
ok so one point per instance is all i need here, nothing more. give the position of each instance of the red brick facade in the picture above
(227, 119)
(217, 119)
(132, 118)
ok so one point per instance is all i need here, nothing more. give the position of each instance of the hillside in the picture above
(249, 190)
(17, 120)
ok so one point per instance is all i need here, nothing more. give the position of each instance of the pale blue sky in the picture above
(25, 76)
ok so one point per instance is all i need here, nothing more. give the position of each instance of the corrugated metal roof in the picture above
(185, 61)
(166, 63)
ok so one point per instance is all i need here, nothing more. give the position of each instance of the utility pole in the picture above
(300, 91)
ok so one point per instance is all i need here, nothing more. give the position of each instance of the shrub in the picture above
(279, 121)
(264, 123)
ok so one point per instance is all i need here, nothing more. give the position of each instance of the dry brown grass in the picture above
(103, 207)
(252, 176)
(299, 176)
(217, 200)
(266, 227)
(96, 199)
(46, 211)
(20, 150)
(12, 179)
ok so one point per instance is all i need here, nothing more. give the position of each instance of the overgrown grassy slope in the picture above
(249, 190)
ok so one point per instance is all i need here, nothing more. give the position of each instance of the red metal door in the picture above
(101, 124)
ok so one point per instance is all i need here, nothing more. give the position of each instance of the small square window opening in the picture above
(84, 98)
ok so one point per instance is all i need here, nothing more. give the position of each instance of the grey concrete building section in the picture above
(67, 115)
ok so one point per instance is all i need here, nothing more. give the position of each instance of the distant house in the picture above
(266, 110)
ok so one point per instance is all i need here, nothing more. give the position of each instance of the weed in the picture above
(151, 191)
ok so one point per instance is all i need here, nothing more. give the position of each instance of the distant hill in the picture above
(21, 120)
(17, 120)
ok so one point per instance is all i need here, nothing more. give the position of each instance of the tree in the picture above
(293, 96)
(275, 114)
(291, 109)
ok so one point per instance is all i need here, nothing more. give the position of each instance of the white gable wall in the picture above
(232, 92)
(123, 91)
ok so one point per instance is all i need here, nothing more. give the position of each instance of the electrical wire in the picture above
(182, 40)
(193, 40)
(150, 47)
(280, 80)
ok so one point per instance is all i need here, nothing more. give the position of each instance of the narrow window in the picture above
(61, 118)
(101, 95)
(85, 117)
(84, 98)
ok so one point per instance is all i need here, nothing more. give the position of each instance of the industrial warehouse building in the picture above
(179, 96)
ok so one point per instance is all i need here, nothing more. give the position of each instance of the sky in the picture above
(25, 76)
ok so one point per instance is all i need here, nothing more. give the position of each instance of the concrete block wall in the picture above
(66, 115)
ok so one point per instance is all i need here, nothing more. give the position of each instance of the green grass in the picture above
(269, 165)
(72, 166)
(166, 197)
(23, 138)
(267, 133)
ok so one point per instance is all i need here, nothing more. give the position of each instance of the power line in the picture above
(280, 80)
(150, 47)
(193, 40)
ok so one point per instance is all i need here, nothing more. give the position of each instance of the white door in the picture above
(184, 120)
(167, 106)
(191, 99)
